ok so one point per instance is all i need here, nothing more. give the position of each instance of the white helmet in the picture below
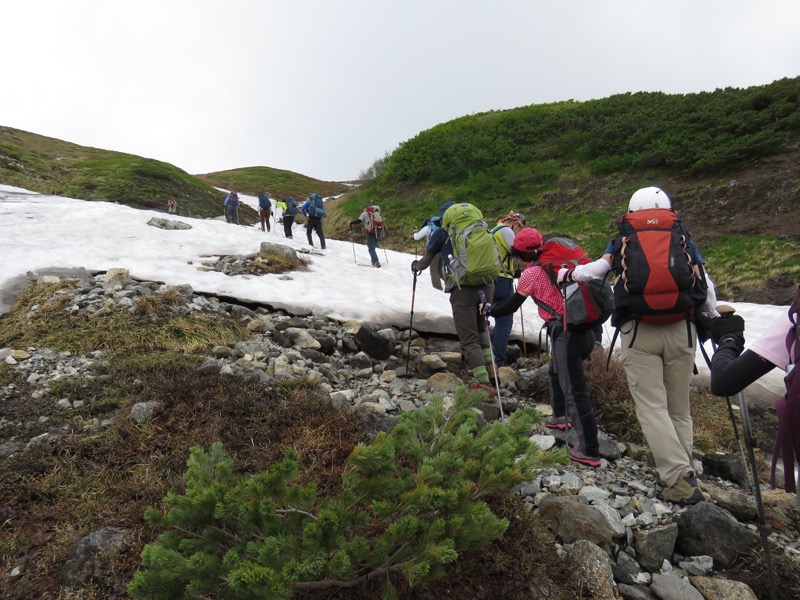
(649, 197)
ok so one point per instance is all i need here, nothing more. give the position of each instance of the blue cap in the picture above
(445, 206)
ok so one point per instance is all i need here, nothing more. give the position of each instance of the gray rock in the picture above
(91, 556)
(708, 529)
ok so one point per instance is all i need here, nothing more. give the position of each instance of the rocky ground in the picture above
(608, 523)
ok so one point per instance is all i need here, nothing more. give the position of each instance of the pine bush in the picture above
(412, 500)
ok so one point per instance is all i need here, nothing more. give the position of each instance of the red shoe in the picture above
(490, 391)
(582, 458)
(560, 423)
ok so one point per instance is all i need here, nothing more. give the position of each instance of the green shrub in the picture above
(412, 500)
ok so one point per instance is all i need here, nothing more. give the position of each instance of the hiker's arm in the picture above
(422, 264)
(508, 306)
(592, 270)
(709, 307)
(731, 373)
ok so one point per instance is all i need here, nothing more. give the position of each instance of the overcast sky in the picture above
(325, 87)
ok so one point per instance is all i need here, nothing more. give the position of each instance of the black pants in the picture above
(569, 394)
(288, 221)
(315, 224)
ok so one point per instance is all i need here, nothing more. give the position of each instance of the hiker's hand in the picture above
(564, 276)
(730, 328)
(414, 267)
(485, 308)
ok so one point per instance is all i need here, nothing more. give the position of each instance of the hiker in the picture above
(288, 208)
(465, 300)
(172, 205)
(733, 369)
(657, 327)
(232, 208)
(430, 225)
(569, 393)
(314, 211)
(374, 229)
(264, 210)
(505, 230)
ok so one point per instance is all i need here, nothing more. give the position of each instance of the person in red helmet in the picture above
(569, 393)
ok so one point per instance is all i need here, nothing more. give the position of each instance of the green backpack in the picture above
(475, 260)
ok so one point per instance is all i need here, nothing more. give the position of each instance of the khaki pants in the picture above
(659, 368)
(470, 324)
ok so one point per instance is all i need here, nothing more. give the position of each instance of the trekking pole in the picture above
(352, 241)
(522, 324)
(491, 352)
(763, 529)
(724, 314)
(411, 322)
(385, 258)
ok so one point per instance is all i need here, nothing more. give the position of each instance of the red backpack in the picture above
(586, 303)
(655, 262)
(787, 441)
(375, 223)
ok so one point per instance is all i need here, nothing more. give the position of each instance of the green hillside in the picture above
(728, 159)
(52, 166)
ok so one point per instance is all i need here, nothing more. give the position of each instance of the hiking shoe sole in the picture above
(582, 458)
(560, 424)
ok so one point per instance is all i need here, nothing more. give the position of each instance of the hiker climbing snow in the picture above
(374, 229)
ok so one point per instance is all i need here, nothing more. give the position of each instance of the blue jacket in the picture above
(304, 208)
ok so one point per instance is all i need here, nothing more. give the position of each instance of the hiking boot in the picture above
(377, 265)
(490, 391)
(560, 423)
(682, 492)
(584, 459)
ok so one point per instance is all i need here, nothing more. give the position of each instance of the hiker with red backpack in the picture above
(470, 273)
(569, 393)
(733, 368)
(660, 290)
(374, 228)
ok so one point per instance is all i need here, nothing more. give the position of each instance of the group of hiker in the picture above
(662, 301)
(312, 209)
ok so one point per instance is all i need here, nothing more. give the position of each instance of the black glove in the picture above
(728, 329)
(485, 308)
(414, 266)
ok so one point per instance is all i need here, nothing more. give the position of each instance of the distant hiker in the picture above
(172, 205)
(470, 270)
(232, 208)
(569, 393)
(374, 228)
(662, 286)
(503, 233)
(733, 369)
(288, 208)
(314, 211)
(264, 210)
(430, 225)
